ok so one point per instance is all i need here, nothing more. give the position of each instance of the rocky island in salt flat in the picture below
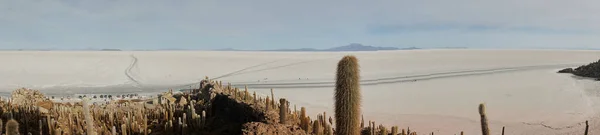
(591, 70)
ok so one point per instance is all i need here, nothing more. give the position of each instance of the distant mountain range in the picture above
(350, 47)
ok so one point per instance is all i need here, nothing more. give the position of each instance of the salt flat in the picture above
(428, 90)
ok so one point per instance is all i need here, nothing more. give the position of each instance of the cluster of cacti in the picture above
(107, 118)
(190, 112)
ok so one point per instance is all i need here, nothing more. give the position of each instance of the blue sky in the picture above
(275, 24)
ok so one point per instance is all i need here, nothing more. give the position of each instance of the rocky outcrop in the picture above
(566, 70)
(591, 70)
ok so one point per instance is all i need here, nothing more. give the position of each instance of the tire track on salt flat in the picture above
(244, 69)
(129, 70)
(403, 79)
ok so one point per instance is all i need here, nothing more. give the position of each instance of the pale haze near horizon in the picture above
(271, 24)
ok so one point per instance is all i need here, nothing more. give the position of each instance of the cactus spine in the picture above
(484, 124)
(347, 97)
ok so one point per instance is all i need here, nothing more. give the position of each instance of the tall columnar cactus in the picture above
(394, 130)
(235, 93)
(246, 94)
(324, 119)
(586, 128)
(254, 94)
(303, 120)
(267, 104)
(283, 111)
(88, 117)
(50, 124)
(114, 130)
(484, 124)
(57, 131)
(12, 127)
(317, 129)
(362, 122)
(203, 118)
(124, 129)
(382, 130)
(40, 128)
(328, 130)
(374, 129)
(347, 97)
(273, 98)
(1, 126)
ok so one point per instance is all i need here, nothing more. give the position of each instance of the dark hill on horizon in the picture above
(350, 47)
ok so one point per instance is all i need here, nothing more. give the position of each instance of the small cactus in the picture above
(12, 127)
(347, 97)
